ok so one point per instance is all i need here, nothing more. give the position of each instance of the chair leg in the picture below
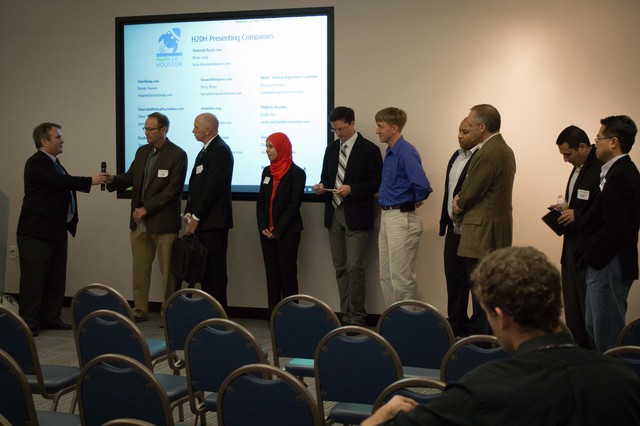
(74, 401)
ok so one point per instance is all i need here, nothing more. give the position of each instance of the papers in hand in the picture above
(330, 190)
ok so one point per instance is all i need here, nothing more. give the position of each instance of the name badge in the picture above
(163, 173)
(199, 169)
(583, 194)
(266, 180)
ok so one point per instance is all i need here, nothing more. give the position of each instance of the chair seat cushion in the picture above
(300, 367)
(157, 348)
(350, 413)
(175, 386)
(210, 401)
(55, 378)
(58, 418)
(430, 373)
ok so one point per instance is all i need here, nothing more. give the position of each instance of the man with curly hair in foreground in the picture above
(549, 380)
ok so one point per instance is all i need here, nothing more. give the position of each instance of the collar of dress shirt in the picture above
(481, 144)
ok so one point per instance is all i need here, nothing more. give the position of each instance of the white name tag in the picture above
(163, 173)
(583, 194)
(199, 169)
(266, 180)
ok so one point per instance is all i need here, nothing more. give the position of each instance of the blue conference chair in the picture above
(420, 389)
(115, 386)
(630, 334)
(16, 402)
(214, 349)
(353, 366)
(260, 394)
(107, 332)
(297, 324)
(630, 355)
(465, 355)
(181, 312)
(93, 297)
(419, 333)
(50, 381)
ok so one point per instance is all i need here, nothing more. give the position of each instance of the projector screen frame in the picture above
(121, 22)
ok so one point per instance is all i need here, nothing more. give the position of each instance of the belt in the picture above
(386, 208)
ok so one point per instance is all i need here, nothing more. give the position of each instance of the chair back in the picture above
(16, 403)
(418, 332)
(215, 348)
(263, 394)
(465, 355)
(630, 334)
(50, 381)
(114, 387)
(630, 355)
(107, 332)
(354, 364)
(16, 339)
(298, 323)
(93, 297)
(185, 309)
(409, 387)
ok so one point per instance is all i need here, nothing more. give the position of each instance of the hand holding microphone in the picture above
(103, 169)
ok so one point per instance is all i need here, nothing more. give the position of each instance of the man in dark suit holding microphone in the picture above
(352, 166)
(49, 211)
(208, 209)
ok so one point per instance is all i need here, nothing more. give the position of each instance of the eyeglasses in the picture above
(597, 139)
(150, 129)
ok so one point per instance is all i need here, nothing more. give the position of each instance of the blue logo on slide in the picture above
(167, 55)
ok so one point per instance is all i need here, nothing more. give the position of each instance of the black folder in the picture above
(551, 219)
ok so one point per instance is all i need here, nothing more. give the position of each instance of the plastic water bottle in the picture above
(562, 204)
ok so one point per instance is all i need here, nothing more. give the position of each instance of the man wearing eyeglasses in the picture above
(156, 178)
(611, 249)
(350, 178)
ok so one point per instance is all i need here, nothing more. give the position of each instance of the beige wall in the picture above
(544, 64)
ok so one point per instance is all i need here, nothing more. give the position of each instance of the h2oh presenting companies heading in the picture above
(258, 76)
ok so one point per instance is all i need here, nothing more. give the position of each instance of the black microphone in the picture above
(103, 169)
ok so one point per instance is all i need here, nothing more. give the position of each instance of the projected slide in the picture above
(257, 75)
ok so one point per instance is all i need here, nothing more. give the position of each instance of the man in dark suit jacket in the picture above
(349, 212)
(457, 269)
(582, 188)
(156, 176)
(208, 209)
(611, 248)
(49, 211)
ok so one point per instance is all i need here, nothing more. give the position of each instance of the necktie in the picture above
(72, 202)
(342, 165)
(200, 154)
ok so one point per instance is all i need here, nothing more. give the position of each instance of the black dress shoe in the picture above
(34, 331)
(58, 325)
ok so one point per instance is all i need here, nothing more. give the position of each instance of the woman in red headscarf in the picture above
(279, 219)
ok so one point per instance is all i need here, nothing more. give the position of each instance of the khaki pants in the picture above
(144, 247)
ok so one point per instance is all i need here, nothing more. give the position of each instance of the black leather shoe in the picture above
(34, 331)
(141, 319)
(58, 325)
